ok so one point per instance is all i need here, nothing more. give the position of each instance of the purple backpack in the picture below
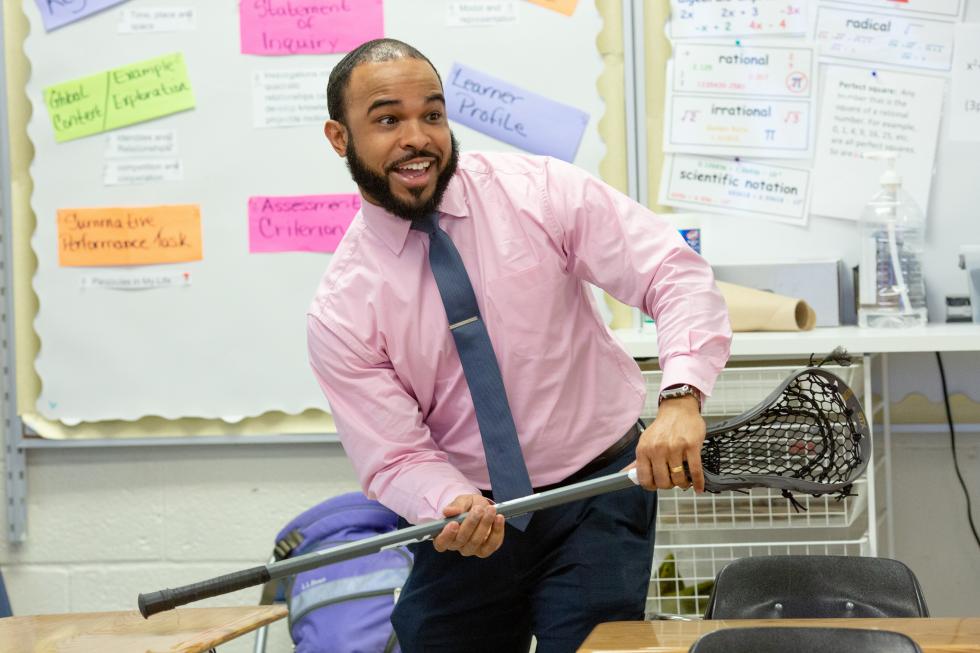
(343, 607)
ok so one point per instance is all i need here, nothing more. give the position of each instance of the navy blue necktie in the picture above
(508, 473)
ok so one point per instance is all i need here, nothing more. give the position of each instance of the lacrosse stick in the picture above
(809, 435)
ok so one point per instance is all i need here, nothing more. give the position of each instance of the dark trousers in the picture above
(576, 566)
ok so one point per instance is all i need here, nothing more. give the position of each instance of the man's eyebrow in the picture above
(382, 103)
(436, 97)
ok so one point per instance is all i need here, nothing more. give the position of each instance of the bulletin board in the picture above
(183, 346)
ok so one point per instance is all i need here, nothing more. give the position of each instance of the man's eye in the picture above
(435, 116)
(387, 120)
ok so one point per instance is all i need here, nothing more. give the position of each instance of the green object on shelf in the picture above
(668, 582)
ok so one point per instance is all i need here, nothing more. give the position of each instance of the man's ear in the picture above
(336, 133)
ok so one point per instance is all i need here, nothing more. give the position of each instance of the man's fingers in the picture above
(467, 528)
(678, 475)
(661, 476)
(644, 475)
(442, 541)
(480, 533)
(495, 539)
(695, 468)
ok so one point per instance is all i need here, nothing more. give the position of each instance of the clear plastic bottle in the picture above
(892, 288)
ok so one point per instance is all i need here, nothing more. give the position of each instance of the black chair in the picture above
(803, 640)
(822, 587)
(5, 610)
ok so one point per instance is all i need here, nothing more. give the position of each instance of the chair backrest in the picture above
(825, 587)
(5, 609)
(776, 639)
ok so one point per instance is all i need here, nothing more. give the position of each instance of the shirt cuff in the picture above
(682, 369)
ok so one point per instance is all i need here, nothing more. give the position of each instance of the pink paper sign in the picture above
(284, 27)
(299, 223)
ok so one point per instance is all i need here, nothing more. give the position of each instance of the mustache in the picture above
(412, 155)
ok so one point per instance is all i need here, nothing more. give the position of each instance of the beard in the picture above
(379, 188)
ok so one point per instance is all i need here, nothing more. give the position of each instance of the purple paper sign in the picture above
(284, 27)
(514, 115)
(56, 13)
(299, 223)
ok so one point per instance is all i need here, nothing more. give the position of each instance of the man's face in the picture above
(405, 154)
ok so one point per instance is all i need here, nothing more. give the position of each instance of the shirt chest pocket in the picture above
(522, 306)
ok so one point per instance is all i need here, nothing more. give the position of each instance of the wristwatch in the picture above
(675, 391)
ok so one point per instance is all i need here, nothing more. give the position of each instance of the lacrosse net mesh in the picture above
(811, 434)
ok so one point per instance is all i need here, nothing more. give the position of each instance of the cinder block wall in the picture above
(106, 524)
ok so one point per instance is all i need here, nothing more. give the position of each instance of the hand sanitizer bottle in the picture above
(892, 231)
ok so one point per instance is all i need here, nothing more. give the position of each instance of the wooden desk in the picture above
(192, 630)
(932, 635)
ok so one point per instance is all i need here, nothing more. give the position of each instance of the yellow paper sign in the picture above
(119, 97)
(566, 7)
(138, 235)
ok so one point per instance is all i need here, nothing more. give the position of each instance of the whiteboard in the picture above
(953, 218)
(232, 343)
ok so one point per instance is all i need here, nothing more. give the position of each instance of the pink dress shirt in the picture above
(531, 231)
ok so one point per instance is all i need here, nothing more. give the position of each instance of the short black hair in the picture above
(374, 51)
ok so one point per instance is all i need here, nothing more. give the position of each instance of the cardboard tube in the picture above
(756, 310)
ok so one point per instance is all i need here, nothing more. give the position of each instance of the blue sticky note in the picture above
(56, 13)
(514, 115)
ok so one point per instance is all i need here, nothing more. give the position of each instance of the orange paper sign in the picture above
(136, 235)
(566, 7)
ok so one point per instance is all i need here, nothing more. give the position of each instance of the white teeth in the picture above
(415, 166)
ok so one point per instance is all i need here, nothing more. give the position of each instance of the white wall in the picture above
(106, 524)
(932, 535)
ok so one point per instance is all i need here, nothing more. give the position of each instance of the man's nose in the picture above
(414, 135)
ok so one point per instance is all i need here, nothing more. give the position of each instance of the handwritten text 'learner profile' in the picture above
(514, 115)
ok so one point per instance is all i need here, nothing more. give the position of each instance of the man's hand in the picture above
(480, 534)
(673, 439)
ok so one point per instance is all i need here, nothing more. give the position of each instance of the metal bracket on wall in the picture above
(14, 458)
(634, 86)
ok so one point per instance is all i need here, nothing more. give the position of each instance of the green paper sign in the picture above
(119, 97)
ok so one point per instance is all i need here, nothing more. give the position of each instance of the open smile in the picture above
(415, 173)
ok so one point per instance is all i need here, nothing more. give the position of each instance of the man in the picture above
(529, 231)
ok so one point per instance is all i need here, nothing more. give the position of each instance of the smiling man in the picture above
(457, 342)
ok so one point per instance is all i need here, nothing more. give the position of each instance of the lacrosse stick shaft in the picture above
(167, 599)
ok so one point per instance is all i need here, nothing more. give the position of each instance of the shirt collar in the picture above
(394, 230)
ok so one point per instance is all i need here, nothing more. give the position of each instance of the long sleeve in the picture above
(640, 259)
(381, 429)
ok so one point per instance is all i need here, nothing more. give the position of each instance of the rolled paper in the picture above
(757, 310)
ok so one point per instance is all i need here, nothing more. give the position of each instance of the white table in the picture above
(867, 343)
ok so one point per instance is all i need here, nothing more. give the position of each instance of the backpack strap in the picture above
(287, 544)
(283, 548)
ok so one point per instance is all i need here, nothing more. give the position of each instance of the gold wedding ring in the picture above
(677, 470)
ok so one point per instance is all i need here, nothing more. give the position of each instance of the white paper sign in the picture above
(136, 280)
(743, 70)
(286, 98)
(946, 8)
(143, 20)
(964, 105)
(481, 13)
(738, 126)
(861, 113)
(118, 172)
(735, 187)
(130, 143)
(729, 18)
(893, 39)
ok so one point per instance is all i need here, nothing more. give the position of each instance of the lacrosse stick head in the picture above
(810, 435)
